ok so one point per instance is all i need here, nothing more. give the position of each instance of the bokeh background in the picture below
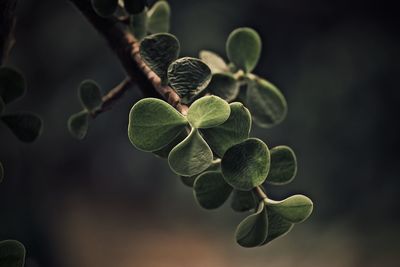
(101, 202)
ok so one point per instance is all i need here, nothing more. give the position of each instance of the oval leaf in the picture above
(105, 8)
(139, 24)
(243, 201)
(277, 226)
(208, 111)
(90, 95)
(164, 152)
(225, 86)
(266, 103)
(283, 166)
(189, 180)
(294, 209)
(158, 51)
(246, 164)
(159, 17)
(153, 124)
(253, 230)
(244, 48)
(1, 172)
(12, 254)
(211, 190)
(188, 77)
(233, 131)
(134, 6)
(192, 156)
(26, 126)
(12, 84)
(78, 125)
(214, 61)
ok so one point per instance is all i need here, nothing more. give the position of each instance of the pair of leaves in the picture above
(12, 254)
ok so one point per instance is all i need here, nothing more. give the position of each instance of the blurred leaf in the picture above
(1, 172)
(225, 86)
(294, 209)
(12, 254)
(78, 125)
(233, 131)
(243, 201)
(153, 124)
(211, 190)
(105, 8)
(158, 51)
(253, 230)
(244, 48)
(188, 77)
(277, 226)
(283, 166)
(266, 103)
(134, 7)
(192, 156)
(26, 126)
(189, 180)
(159, 17)
(90, 95)
(208, 112)
(246, 164)
(139, 24)
(12, 84)
(2, 105)
(164, 152)
(214, 61)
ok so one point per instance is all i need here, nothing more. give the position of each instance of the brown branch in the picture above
(7, 25)
(126, 47)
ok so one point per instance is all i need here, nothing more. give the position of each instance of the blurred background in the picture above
(101, 202)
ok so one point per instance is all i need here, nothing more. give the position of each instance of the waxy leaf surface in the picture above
(294, 209)
(225, 86)
(283, 166)
(208, 112)
(211, 190)
(214, 61)
(243, 200)
(159, 17)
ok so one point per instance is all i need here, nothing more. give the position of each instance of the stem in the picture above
(260, 192)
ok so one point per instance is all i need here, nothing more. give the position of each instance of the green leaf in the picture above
(2, 105)
(243, 201)
(188, 77)
(192, 156)
(214, 61)
(139, 24)
(246, 164)
(283, 166)
(153, 124)
(164, 152)
(277, 226)
(189, 180)
(244, 48)
(12, 254)
(295, 209)
(134, 6)
(225, 86)
(1, 172)
(12, 84)
(25, 126)
(266, 103)
(90, 95)
(78, 125)
(253, 230)
(211, 190)
(105, 8)
(159, 17)
(208, 112)
(233, 131)
(158, 51)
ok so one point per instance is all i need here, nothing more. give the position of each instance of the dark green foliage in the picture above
(26, 126)
(243, 201)
(78, 125)
(283, 166)
(12, 254)
(105, 8)
(189, 180)
(224, 85)
(12, 85)
(277, 226)
(211, 190)
(159, 17)
(134, 6)
(214, 62)
(139, 24)
(90, 96)
(294, 209)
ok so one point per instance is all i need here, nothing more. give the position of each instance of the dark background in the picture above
(101, 202)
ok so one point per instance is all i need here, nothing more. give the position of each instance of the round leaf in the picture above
(277, 226)
(243, 201)
(158, 51)
(1, 172)
(214, 61)
(164, 152)
(225, 86)
(25, 126)
(12, 254)
(134, 6)
(211, 190)
(192, 156)
(189, 180)
(208, 111)
(188, 77)
(90, 95)
(253, 230)
(233, 131)
(244, 48)
(266, 103)
(153, 124)
(294, 209)
(12, 84)
(105, 8)
(139, 24)
(78, 125)
(159, 17)
(246, 164)
(283, 166)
